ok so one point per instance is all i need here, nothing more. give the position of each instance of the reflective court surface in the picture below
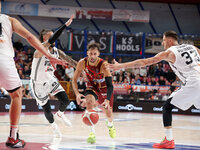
(135, 131)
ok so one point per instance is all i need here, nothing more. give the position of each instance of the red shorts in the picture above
(100, 94)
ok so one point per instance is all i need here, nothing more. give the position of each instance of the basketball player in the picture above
(43, 81)
(9, 78)
(99, 86)
(185, 62)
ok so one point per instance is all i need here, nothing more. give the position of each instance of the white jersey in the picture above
(6, 31)
(187, 64)
(42, 69)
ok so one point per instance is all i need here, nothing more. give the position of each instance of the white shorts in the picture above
(187, 95)
(9, 78)
(41, 90)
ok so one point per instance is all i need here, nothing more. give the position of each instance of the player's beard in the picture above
(93, 60)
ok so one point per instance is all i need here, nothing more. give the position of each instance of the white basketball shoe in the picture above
(61, 116)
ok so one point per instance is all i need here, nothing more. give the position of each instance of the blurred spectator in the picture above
(159, 71)
(69, 72)
(29, 54)
(144, 81)
(153, 81)
(136, 71)
(26, 92)
(26, 71)
(161, 81)
(18, 45)
(151, 71)
(137, 80)
(143, 71)
(21, 75)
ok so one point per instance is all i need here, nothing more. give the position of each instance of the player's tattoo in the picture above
(71, 61)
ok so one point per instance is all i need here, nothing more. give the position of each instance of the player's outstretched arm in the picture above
(58, 32)
(71, 61)
(167, 55)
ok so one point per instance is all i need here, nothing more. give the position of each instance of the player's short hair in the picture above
(93, 46)
(42, 33)
(171, 34)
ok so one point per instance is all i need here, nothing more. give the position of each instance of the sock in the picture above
(60, 113)
(169, 134)
(13, 131)
(92, 129)
(54, 125)
(110, 124)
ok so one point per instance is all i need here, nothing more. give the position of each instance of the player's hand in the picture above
(55, 61)
(115, 66)
(106, 104)
(80, 98)
(69, 21)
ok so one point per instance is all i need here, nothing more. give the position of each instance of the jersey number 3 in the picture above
(188, 58)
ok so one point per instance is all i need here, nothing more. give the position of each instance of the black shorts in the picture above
(87, 92)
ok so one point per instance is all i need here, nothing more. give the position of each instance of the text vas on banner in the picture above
(77, 42)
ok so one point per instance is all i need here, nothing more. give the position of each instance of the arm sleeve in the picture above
(56, 34)
(109, 87)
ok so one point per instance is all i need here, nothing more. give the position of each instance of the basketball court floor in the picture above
(135, 131)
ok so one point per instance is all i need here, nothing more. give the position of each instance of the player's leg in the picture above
(14, 113)
(11, 82)
(91, 97)
(109, 114)
(168, 141)
(49, 116)
(64, 101)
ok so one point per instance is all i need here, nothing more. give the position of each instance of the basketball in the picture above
(90, 117)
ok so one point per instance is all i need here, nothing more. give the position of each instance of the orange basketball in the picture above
(90, 117)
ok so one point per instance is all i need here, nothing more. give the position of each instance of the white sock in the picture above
(53, 125)
(110, 124)
(169, 134)
(60, 113)
(13, 132)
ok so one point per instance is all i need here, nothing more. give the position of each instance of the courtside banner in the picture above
(147, 106)
(19, 8)
(56, 11)
(94, 13)
(128, 44)
(130, 15)
(78, 42)
(124, 88)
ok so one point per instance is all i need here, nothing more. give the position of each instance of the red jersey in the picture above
(95, 77)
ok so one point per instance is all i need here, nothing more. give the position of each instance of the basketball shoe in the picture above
(61, 116)
(165, 144)
(11, 143)
(112, 131)
(92, 138)
(56, 130)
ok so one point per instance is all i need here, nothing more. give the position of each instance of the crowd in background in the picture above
(158, 74)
